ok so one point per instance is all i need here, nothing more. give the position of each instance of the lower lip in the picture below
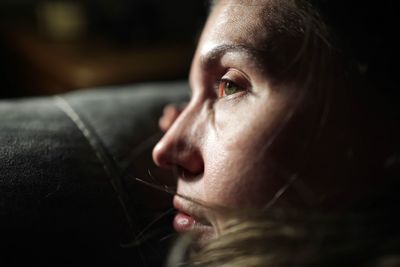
(183, 222)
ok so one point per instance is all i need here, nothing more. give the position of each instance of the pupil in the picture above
(230, 88)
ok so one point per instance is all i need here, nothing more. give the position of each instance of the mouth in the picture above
(183, 222)
(190, 217)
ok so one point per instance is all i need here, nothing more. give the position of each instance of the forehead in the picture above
(245, 22)
(264, 32)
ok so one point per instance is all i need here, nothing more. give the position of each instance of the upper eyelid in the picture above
(239, 75)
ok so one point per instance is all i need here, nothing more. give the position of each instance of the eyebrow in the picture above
(212, 57)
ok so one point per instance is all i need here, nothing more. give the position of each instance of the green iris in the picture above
(230, 88)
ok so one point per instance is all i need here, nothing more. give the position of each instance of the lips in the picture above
(189, 217)
(192, 218)
(183, 222)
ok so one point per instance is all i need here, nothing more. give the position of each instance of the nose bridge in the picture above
(181, 141)
(186, 128)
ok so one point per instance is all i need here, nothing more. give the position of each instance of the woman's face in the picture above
(241, 137)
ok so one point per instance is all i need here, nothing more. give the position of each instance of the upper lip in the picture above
(198, 213)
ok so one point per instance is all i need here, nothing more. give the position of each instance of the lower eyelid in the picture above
(236, 97)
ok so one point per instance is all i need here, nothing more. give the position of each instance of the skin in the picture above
(238, 150)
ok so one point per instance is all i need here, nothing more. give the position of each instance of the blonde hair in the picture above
(281, 238)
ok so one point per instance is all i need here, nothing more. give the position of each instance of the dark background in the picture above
(49, 47)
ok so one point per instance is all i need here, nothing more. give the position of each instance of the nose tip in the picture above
(160, 156)
(170, 153)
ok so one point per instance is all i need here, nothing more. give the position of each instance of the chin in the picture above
(203, 238)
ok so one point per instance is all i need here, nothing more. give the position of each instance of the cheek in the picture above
(239, 179)
(239, 171)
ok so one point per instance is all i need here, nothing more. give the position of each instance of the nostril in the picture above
(191, 162)
(186, 174)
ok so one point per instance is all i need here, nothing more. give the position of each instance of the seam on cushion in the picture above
(99, 150)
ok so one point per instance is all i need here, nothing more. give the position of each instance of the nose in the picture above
(180, 146)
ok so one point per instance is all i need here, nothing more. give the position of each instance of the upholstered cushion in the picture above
(67, 167)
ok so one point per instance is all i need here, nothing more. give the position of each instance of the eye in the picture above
(231, 83)
(227, 87)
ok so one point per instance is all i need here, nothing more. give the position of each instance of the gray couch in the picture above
(68, 196)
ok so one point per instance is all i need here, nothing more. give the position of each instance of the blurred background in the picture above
(54, 46)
